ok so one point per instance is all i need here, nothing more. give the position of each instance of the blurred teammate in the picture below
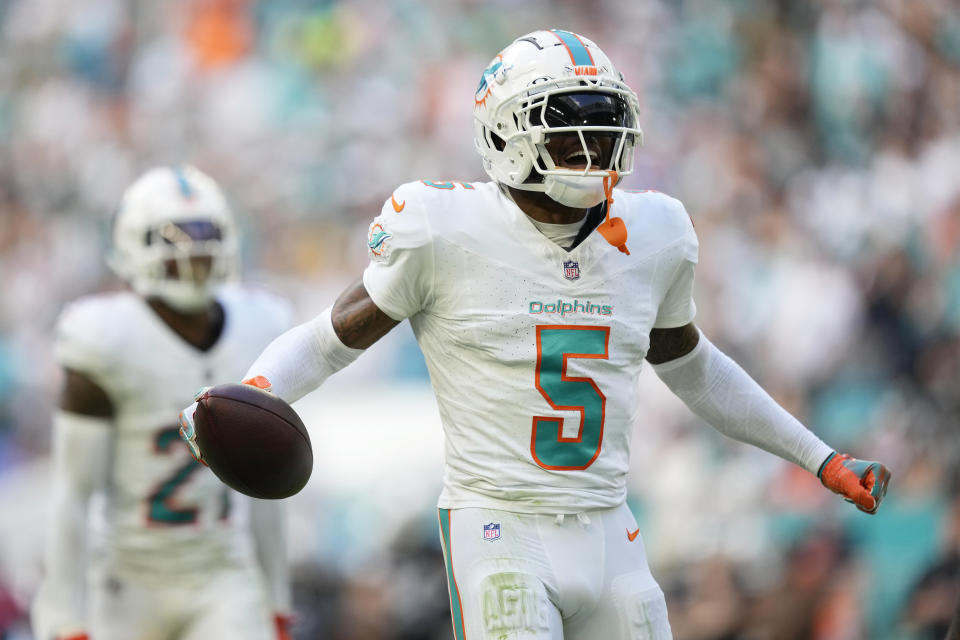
(178, 556)
(535, 299)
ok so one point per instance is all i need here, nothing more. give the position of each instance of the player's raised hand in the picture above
(862, 482)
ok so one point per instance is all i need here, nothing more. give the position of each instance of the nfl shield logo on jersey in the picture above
(491, 531)
(571, 269)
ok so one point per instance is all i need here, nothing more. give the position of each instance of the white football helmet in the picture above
(548, 83)
(168, 218)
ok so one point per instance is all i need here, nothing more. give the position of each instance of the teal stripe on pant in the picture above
(456, 607)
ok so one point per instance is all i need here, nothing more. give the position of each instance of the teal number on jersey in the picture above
(161, 506)
(556, 344)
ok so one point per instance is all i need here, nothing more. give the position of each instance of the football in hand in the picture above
(253, 441)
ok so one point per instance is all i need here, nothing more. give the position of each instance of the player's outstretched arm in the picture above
(301, 359)
(357, 321)
(82, 431)
(718, 390)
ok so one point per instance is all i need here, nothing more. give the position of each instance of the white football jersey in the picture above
(534, 352)
(163, 510)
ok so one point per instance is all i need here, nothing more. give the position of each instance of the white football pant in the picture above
(543, 577)
(228, 604)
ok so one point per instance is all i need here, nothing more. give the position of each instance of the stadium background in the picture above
(815, 144)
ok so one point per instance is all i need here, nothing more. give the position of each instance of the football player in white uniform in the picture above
(535, 299)
(176, 554)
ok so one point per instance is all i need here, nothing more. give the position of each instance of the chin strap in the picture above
(613, 230)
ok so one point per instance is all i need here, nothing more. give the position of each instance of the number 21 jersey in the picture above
(165, 513)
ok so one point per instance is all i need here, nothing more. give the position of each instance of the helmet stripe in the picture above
(579, 54)
(185, 189)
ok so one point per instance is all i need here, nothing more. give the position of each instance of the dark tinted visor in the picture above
(584, 109)
(190, 230)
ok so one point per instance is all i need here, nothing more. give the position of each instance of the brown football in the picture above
(253, 441)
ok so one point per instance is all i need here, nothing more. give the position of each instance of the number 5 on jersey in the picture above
(556, 344)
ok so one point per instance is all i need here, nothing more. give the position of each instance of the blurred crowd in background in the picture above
(816, 145)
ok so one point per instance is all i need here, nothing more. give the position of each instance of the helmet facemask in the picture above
(586, 134)
(593, 127)
(182, 263)
(576, 136)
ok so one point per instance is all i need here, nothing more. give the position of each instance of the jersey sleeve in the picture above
(82, 340)
(80, 464)
(677, 307)
(399, 278)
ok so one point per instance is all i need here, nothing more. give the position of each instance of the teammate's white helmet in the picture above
(547, 83)
(167, 218)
